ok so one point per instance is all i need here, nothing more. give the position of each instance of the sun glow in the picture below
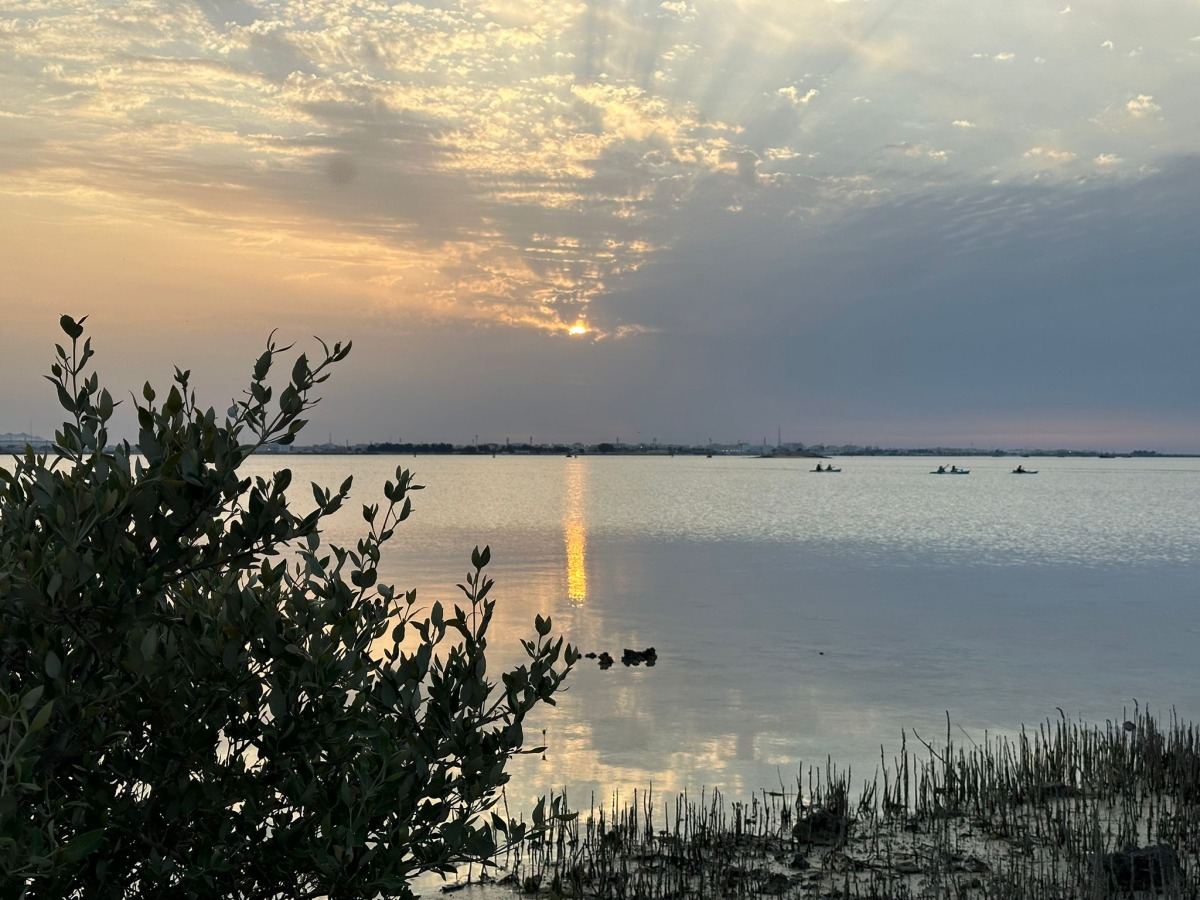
(578, 328)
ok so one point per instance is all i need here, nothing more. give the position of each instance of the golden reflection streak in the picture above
(575, 533)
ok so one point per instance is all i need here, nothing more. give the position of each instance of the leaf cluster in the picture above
(198, 697)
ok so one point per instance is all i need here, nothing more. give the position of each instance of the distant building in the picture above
(16, 443)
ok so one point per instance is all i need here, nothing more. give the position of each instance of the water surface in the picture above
(799, 615)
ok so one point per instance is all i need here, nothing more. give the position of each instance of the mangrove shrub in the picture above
(200, 698)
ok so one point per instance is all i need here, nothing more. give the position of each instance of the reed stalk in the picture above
(1064, 810)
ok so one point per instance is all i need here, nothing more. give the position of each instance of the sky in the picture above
(888, 222)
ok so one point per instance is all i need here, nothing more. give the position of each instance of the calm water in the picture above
(799, 616)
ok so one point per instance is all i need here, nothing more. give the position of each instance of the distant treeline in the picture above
(389, 447)
(516, 449)
(815, 451)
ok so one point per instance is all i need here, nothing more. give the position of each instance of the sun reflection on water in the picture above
(575, 533)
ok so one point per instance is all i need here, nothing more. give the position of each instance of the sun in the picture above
(578, 328)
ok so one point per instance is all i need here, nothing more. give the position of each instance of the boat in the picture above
(951, 471)
(826, 469)
(1021, 470)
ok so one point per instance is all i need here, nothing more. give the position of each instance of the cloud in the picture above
(425, 150)
(401, 113)
(1049, 154)
(746, 163)
(1142, 105)
(680, 8)
(1107, 159)
(793, 95)
(917, 150)
(933, 342)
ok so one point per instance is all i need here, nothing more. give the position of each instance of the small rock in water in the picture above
(649, 656)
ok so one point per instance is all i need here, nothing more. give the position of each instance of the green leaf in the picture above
(364, 579)
(290, 402)
(32, 696)
(72, 328)
(53, 664)
(262, 365)
(106, 405)
(174, 402)
(82, 845)
(42, 718)
(300, 370)
(65, 400)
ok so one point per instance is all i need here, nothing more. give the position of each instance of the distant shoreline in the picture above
(17, 443)
(725, 451)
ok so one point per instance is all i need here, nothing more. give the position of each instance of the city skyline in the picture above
(868, 222)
